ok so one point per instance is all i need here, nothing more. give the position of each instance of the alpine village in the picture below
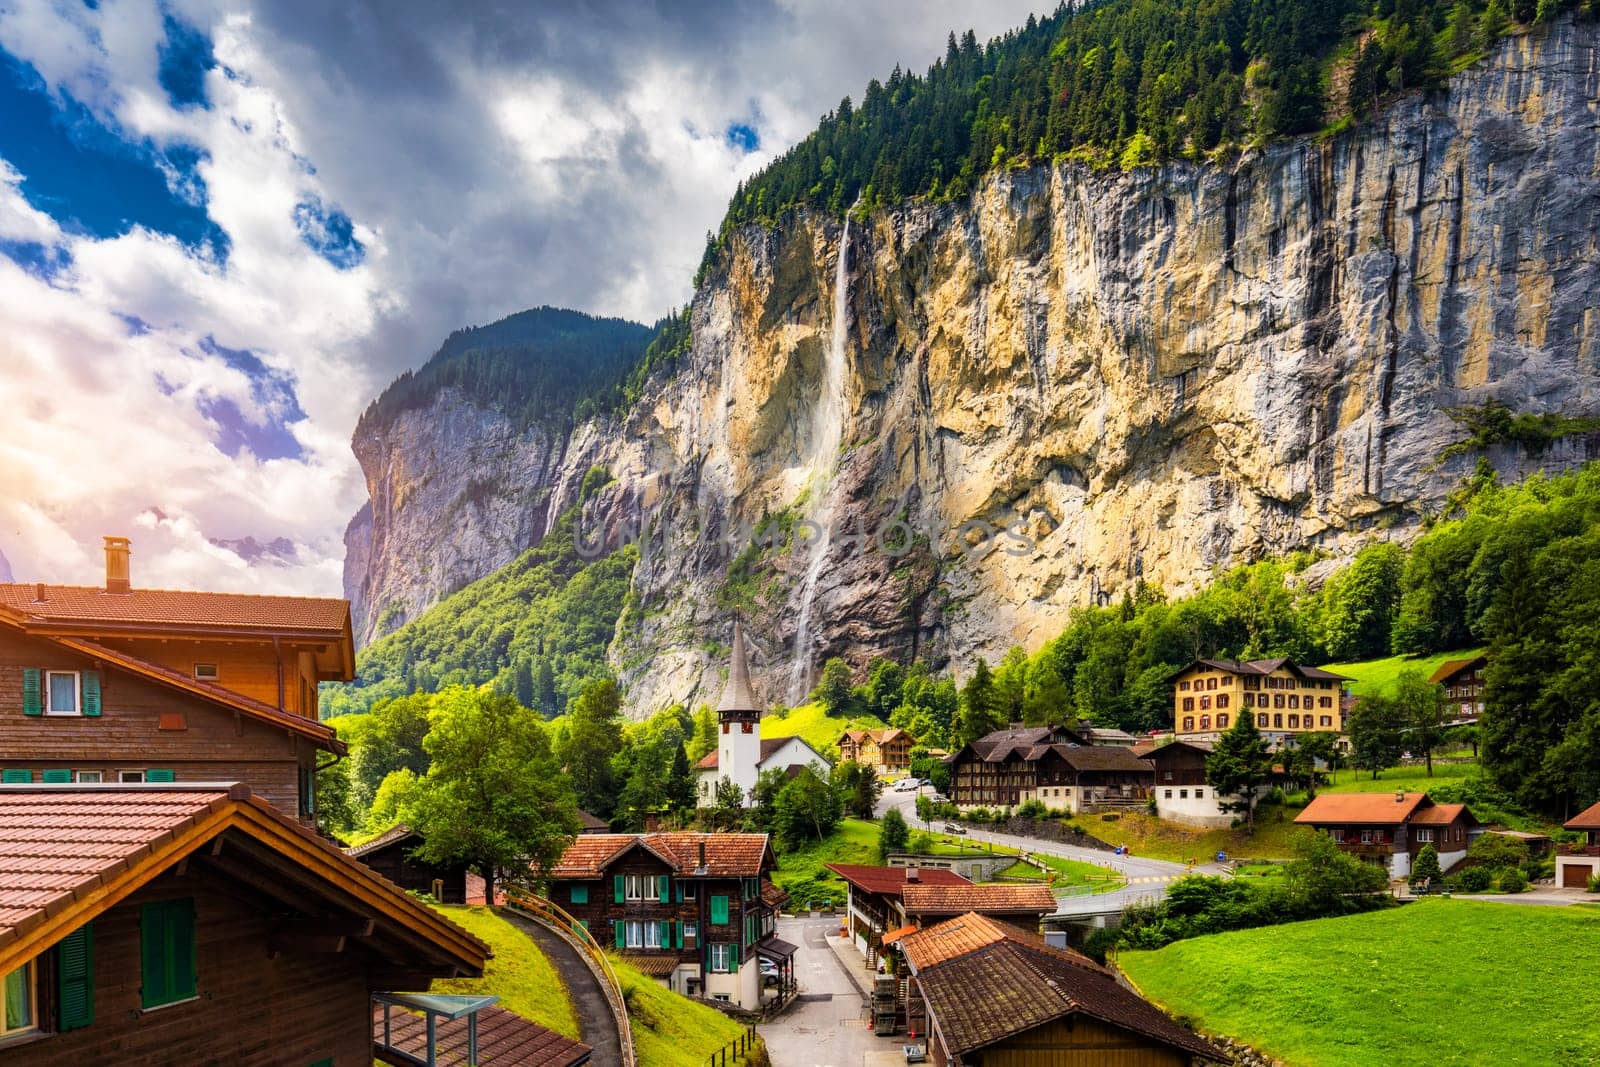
(1104, 570)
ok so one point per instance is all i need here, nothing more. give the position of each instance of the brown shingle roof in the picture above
(1102, 758)
(505, 1039)
(1361, 809)
(655, 966)
(398, 832)
(1016, 983)
(1587, 819)
(1451, 667)
(727, 855)
(1025, 899)
(1439, 815)
(773, 895)
(161, 608)
(889, 881)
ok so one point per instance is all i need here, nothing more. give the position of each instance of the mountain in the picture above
(1142, 374)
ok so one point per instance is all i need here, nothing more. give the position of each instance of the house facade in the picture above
(1390, 829)
(694, 910)
(391, 855)
(886, 751)
(1049, 764)
(195, 923)
(1286, 699)
(873, 906)
(1576, 864)
(1182, 793)
(1463, 687)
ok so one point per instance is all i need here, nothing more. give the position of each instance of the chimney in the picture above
(913, 874)
(702, 855)
(1399, 796)
(38, 593)
(117, 576)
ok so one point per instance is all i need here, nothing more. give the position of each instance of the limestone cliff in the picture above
(1141, 375)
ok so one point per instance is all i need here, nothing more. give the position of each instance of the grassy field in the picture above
(669, 1030)
(1376, 676)
(1413, 779)
(1145, 835)
(1439, 982)
(523, 978)
(1069, 873)
(801, 873)
(816, 727)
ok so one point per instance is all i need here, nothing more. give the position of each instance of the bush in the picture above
(1032, 809)
(1512, 880)
(980, 815)
(1497, 850)
(1594, 883)
(1427, 867)
(1475, 879)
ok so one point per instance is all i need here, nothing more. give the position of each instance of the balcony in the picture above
(1580, 850)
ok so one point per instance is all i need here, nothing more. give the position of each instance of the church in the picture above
(741, 755)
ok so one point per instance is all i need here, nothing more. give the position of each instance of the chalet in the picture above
(1022, 904)
(1463, 687)
(693, 910)
(1576, 864)
(1389, 829)
(873, 908)
(1286, 699)
(888, 752)
(194, 923)
(592, 824)
(984, 992)
(1181, 791)
(1106, 736)
(1048, 764)
(390, 854)
(741, 756)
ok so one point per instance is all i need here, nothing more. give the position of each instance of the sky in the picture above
(226, 226)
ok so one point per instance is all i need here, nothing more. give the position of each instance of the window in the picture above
(1337, 833)
(578, 894)
(1327, 720)
(1324, 702)
(724, 958)
(1277, 700)
(689, 890)
(691, 935)
(633, 934)
(16, 776)
(1294, 701)
(1188, 722)
(652, 935)
(167, 952)
(21, 1001)
(1366, 837)
(75, 979)
(1222, 700)
(1205, 702)
(1199, 794)
(1261, 720)
(1222, 721)
(1169, 794)
(1183, 687)
(1425, 836)
(1211, 683)
(1277, 721)
(130, 776)
(88, 777)
(61, 691)
(643, 886)
(1188, 703)
(1183, 794)
(1205, 722)
(1294, 722)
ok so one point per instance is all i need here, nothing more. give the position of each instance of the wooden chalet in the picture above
(117, 684)
(1285, 698)
(886, 751)
(1389, 829)
(1050, 764)
(194, 923)
(982, 992)
(390, 854)
(1576, 864)
(693, 910)
(873, 906)
(1463, 687)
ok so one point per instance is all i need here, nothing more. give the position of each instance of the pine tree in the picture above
(522, 684)
(978, 715)
(1238, 766)
(1427, 866)
(893, 834)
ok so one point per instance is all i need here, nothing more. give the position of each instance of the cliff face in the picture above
(1143, 375)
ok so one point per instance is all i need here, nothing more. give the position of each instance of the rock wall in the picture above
(1139, 376)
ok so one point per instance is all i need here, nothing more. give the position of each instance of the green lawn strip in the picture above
(1377, 676)
(1411, 778)
(519, 974)
(1069, 873)
(1162, 839)
(802, 874)
(1441, 981)
(670, 1030)
(816, 727)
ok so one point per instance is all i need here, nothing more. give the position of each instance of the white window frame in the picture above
(691, 933)
(652, 935)
(631, 888)
(1424, 837)
(77, 692)
(633, 934)
(89, 777)
(31, 980)
(215, 672)
(1366, 837)
(126, 777)
(721, 958)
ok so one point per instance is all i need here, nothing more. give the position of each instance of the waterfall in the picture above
(827, 430)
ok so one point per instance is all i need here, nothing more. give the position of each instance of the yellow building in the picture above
(1209, 694)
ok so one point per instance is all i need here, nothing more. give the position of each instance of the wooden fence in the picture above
(743, 1048)
(556, 919)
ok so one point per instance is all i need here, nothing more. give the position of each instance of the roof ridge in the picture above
(26, 586)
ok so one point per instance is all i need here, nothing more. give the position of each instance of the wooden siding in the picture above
(249, 668)
(1077, 1042)
(408, 873)
(214, 744)
(252, 1010)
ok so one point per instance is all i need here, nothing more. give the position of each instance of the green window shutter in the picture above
(167, 952)
(666, 890)
(579, 894)
(733, 957)
(158, 776)
(616, 889)
(677, 892)
(719, 910)
(677, 935)
(75, 972)
(91, 693)
(184, 963)
(152, 952)
(664, 934)
(12, 776)
(57, 777)
(32, 692)
(621, 933)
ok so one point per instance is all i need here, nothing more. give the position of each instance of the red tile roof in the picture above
(889, 881)
(1361, 809)
(1440, 815)
(773, 895)
(1587, 819)
(505, 1039)
(954, 938)
(1024, 899)
(769, 745)
(727, 855)
(162, 608)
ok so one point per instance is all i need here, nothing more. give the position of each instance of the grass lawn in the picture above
(1413, 778)
(1069, 873)
(816, 727)
(669, 1030)
(1377, 676)
(801, 873)
(1439, 982)
(1146, 835)
(519, 974)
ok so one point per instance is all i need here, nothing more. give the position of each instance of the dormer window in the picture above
(205, 672)
(64, 693)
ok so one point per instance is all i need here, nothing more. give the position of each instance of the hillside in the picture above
(1376, 677)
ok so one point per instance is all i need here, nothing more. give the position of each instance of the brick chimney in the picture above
(118, 579)
(913, 874)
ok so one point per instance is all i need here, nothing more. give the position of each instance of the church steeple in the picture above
(738, 699)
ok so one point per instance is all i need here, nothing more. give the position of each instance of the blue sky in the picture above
(225, 225)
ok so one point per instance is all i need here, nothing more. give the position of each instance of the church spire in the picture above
(738, 696)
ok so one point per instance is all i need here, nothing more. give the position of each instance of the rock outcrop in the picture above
(1067, 383)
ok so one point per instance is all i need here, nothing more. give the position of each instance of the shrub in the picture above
(1512, 880)
(980, 815)
(1497, 850)
(1594, 883)
(1032, 809)
(1110, 816)
(1475, 879)
(1427, 867)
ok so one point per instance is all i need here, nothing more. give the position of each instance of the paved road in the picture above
(826, 1027)
(595, 1021)
(1147, 878)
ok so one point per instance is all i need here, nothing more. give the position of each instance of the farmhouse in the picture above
(1020, 904)
(1389, 829)
(1576, 864)
(1463, 686)
(692, 910)
(1050, 764)
(1286, 699)
(888, 751)
(873, 906)
(195, 923)
(984, 992)
(390, 854)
